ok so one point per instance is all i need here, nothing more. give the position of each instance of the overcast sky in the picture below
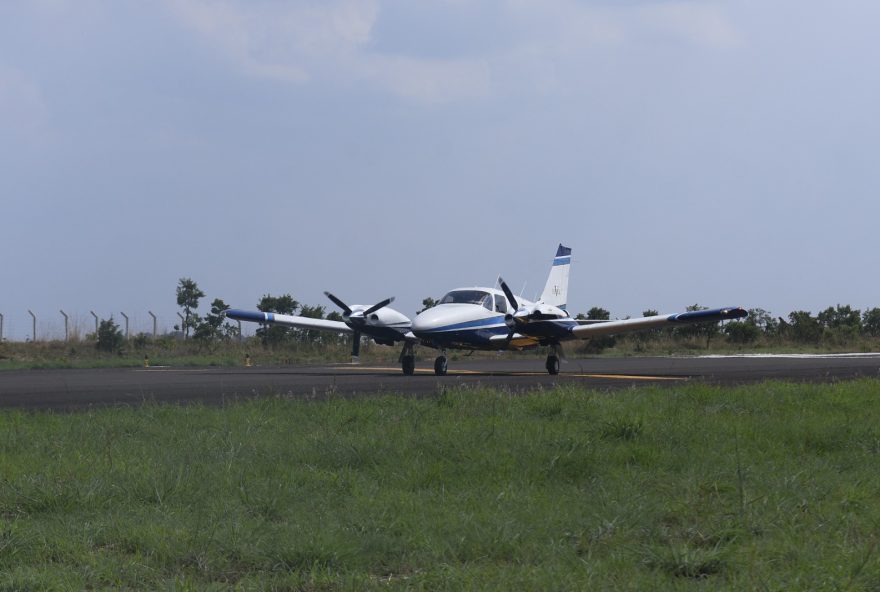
(720, 153)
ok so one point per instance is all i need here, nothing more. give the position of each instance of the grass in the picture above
(771, 486)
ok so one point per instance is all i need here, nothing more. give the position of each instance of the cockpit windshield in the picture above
(484, 299)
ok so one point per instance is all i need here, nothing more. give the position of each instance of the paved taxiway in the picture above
(74, 389)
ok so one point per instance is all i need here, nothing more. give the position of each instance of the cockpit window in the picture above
(484, 299)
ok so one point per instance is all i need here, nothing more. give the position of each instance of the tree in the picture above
(741, 332)
(273, 334)
(598, 314)
(648, 335)
(871, 321)
(597, 344)
(841, 317)
(109, 337)
(213, 327)
(188, 294)
(707, 330)
(311, 312)
(804, 327)
(428, 303)
(334, 315)
(763, 320)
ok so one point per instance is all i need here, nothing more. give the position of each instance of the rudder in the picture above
(556, 290)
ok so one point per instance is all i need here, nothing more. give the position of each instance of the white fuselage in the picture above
(482, 318)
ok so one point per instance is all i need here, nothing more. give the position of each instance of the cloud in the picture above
(698, 23)
(333, 41)
(327, 41)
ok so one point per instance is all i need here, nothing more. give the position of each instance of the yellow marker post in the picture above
(247, 360)
(146, 362)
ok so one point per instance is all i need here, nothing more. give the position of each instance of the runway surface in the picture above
(77, 389)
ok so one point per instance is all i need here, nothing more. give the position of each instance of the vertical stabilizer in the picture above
(556, 289)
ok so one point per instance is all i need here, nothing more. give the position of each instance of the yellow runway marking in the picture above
(482, 373)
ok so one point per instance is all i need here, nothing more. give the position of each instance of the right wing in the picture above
(657, 322)
(271, 318)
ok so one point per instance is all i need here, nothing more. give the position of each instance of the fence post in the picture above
(66, 332)
(125, 316)
(34, 317)
(96, 323)
(154, 323)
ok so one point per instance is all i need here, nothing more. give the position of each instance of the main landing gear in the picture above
(408, 359)
(552, 364)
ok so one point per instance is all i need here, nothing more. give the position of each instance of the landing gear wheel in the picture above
(409, 365)
(440, 366)
(553, 365)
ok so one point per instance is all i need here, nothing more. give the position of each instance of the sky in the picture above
(710, 152)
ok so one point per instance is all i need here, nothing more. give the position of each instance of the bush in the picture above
(109, 337)
(739, 332)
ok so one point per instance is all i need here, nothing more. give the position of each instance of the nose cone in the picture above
(429, 320)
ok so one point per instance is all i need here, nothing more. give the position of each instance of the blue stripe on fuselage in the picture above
(561, 261)
(475, 334)
(486, 323)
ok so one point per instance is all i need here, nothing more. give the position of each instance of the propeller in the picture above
(507, 292)
(378, 305)
(338, 303)
(519, 315)
(509, 319)
(357, 315)
(357, 318)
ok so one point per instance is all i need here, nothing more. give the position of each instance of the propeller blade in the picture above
(507, 292)
(338, 303)
(378, 305)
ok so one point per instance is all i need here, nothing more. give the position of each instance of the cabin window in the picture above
(484, 299)
(500, 304)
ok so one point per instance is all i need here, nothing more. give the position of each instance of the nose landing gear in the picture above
(408, 359)
(440, 365)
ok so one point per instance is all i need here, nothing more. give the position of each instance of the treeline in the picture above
(214, 326)
(836, 326)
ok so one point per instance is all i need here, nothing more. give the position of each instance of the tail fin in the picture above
(556, 290)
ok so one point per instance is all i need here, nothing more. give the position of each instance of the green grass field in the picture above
(767, 487)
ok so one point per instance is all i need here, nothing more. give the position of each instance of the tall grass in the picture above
(772, 486)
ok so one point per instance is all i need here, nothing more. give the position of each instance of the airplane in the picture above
(491, 319)
(482, 318)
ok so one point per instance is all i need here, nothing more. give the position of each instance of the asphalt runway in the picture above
(78, 389)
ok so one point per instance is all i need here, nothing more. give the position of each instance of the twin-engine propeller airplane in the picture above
(485, 319)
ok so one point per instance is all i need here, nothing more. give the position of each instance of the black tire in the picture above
(440, 366)
(553, 365)
(409, 365)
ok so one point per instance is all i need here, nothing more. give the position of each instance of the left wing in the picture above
(657, 322)
(271, 318)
